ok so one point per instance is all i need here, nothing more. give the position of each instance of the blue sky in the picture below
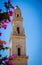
(32, 15)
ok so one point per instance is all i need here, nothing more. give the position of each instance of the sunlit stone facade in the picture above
(18, 38)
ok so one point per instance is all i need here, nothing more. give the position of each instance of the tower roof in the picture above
(17, 14)
(17, 7)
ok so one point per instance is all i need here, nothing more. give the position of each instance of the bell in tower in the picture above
(18, 39)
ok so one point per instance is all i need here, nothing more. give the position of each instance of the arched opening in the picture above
(17, 15)
(19, 51)
(18, 30)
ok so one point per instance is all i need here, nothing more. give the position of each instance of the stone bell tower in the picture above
(18, 39)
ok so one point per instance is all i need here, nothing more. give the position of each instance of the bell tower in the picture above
(18, 38)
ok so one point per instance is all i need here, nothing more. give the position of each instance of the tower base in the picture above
(21, 60)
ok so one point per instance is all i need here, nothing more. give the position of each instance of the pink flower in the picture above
(7, 62)
(10, 57)
(12, 7)
(4, 42)
(0, 45)
(10, 63)
(9, 1)
(5, 20)
(9, 20)
(5, 26)
(0, 33)
(10, 13)
(2, 22)
(14, 55)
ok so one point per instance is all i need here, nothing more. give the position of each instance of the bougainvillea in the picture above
(2, 42)
(5, 17)
(7, 61)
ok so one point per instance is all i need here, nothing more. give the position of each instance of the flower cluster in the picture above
(5, 16)
(8, 5)
(2, 42)
(8, 61)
